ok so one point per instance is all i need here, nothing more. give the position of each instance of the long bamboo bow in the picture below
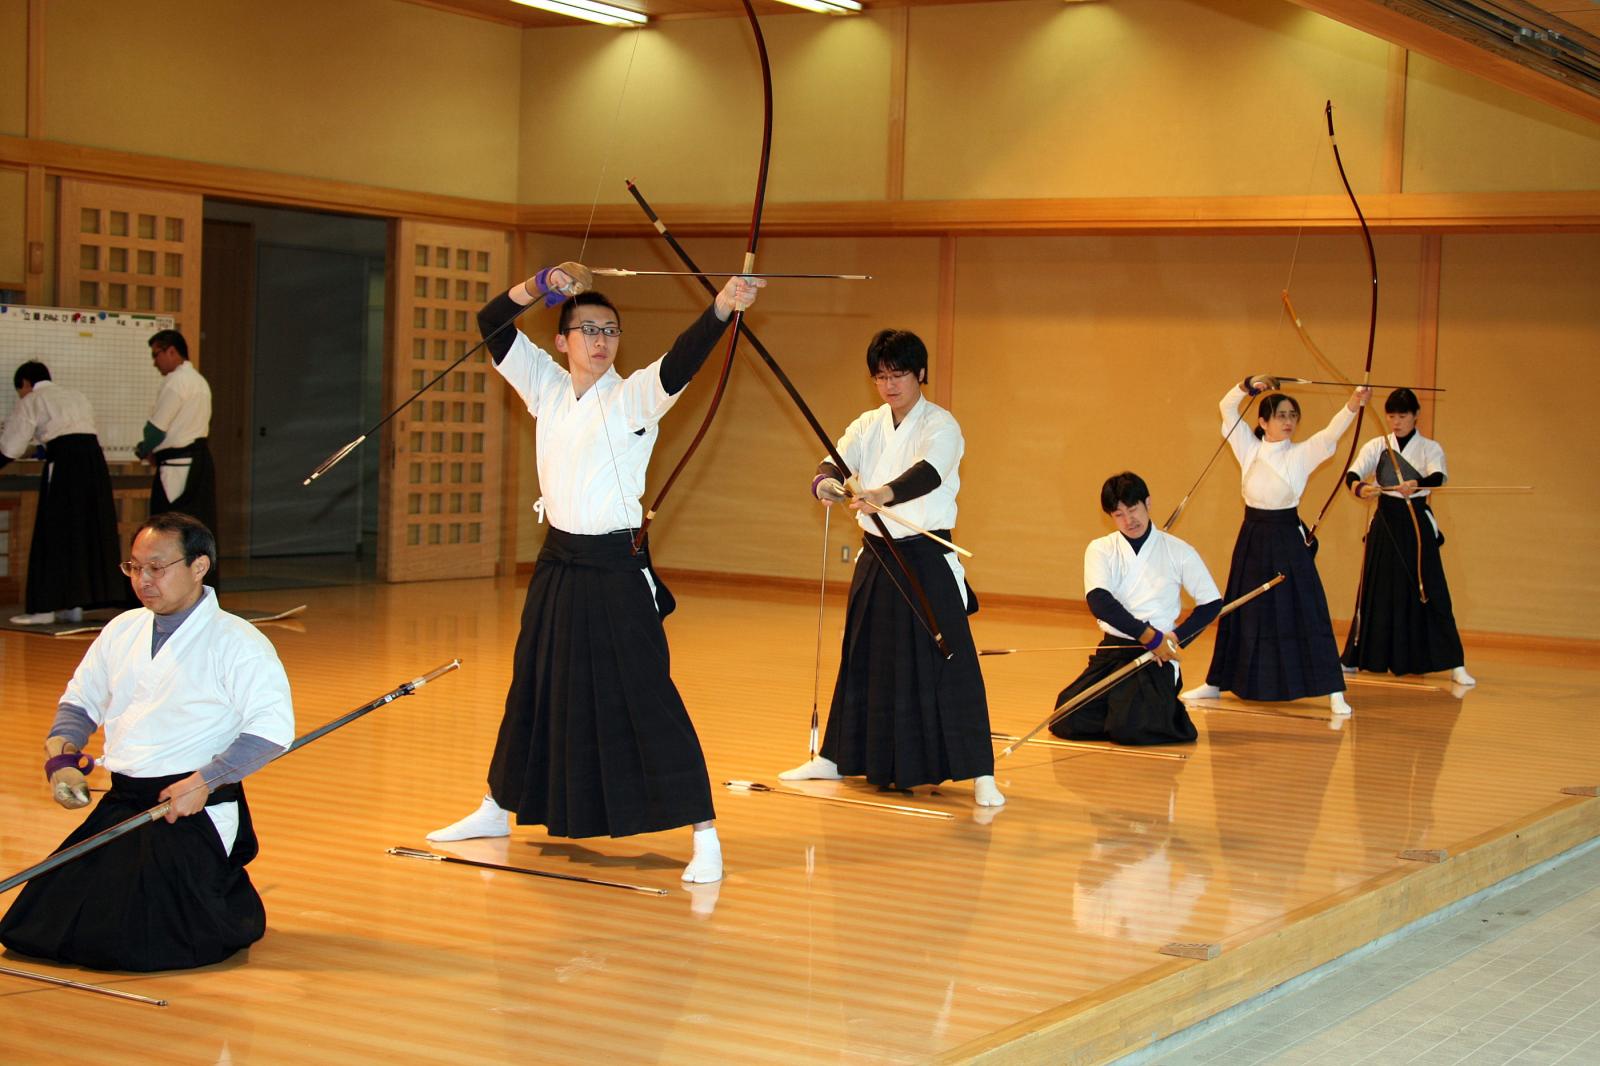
(916, 597)
(1366, 376)
(749, 268)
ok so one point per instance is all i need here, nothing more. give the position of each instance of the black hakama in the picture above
(161, 897)
(902, 714)
(199, 495)
(1279, 646)
(1394, 631)
(73, 559)
(1142, 709)
(596, 740)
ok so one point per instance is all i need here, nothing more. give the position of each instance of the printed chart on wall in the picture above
(105, 356)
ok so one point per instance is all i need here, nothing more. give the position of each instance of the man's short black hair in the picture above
(898, 349)
(192, 533)
(1126, 488)
(1402, 402)
(32, 372)
(570, 305)
(170, 338)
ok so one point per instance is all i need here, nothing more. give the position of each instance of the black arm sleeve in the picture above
(1432, 481)
(689, 351)
(920, 480)
(1202, 615)
(1109, 610)
(496, 313)
(1351, 478)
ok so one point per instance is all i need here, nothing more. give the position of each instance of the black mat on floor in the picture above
(94, 621)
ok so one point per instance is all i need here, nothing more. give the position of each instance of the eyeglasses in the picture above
(148, 572)
(589, 329)
(892, 375)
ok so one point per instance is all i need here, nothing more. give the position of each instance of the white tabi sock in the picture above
(1201, 692)
(1460, 676)
(706, 866)
(71, 614)
(489, 820)
(985, 793)
(1336, 703)
(817, 769)
(41, 618)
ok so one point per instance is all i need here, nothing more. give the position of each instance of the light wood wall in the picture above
(1517, 343)
(1465, 135)
(13, 66)
(1054, 114)
(686, 120)
(390, 94)
(13, 202)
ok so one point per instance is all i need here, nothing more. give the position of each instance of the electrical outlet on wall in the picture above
(844, 553)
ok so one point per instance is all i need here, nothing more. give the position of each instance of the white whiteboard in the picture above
(104, 355)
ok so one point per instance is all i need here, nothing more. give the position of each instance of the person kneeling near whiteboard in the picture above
(72, 560)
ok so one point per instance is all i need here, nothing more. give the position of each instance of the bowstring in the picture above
(583, 247)
(611, 144)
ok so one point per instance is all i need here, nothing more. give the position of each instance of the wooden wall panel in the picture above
(1517, 340)
(13, 66)
(1062, 117)
(440, 482)
(1465, 135)
(13, 228)
(371, 91)
(132, 250)
(1082, 357)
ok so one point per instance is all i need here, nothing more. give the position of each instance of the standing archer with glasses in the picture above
(902, 713)
(1282, 647)
(595, 740)
(175, 437)
(191, 700)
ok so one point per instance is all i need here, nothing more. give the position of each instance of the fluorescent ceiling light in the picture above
(589, 11)
(827, 7)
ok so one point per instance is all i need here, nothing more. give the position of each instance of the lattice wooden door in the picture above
(131, 250)
(440, 482)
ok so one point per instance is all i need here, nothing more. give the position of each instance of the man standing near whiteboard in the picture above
(74, 554)
(175, 437)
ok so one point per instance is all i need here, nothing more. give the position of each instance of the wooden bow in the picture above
(1366, 376)
(916, 598)
(749, 268)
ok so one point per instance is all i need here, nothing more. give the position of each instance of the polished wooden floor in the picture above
(840, 934)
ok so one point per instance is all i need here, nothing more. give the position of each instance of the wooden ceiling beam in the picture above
(1456, 44)
(1392, 213)
(1525, 212)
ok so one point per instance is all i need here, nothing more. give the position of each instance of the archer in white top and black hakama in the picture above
(186, 694)
(73, 557)
(902, 713)
(1278, 647)
(175, 437)
(595, 740)
(1134, 579)
(1393, 630)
